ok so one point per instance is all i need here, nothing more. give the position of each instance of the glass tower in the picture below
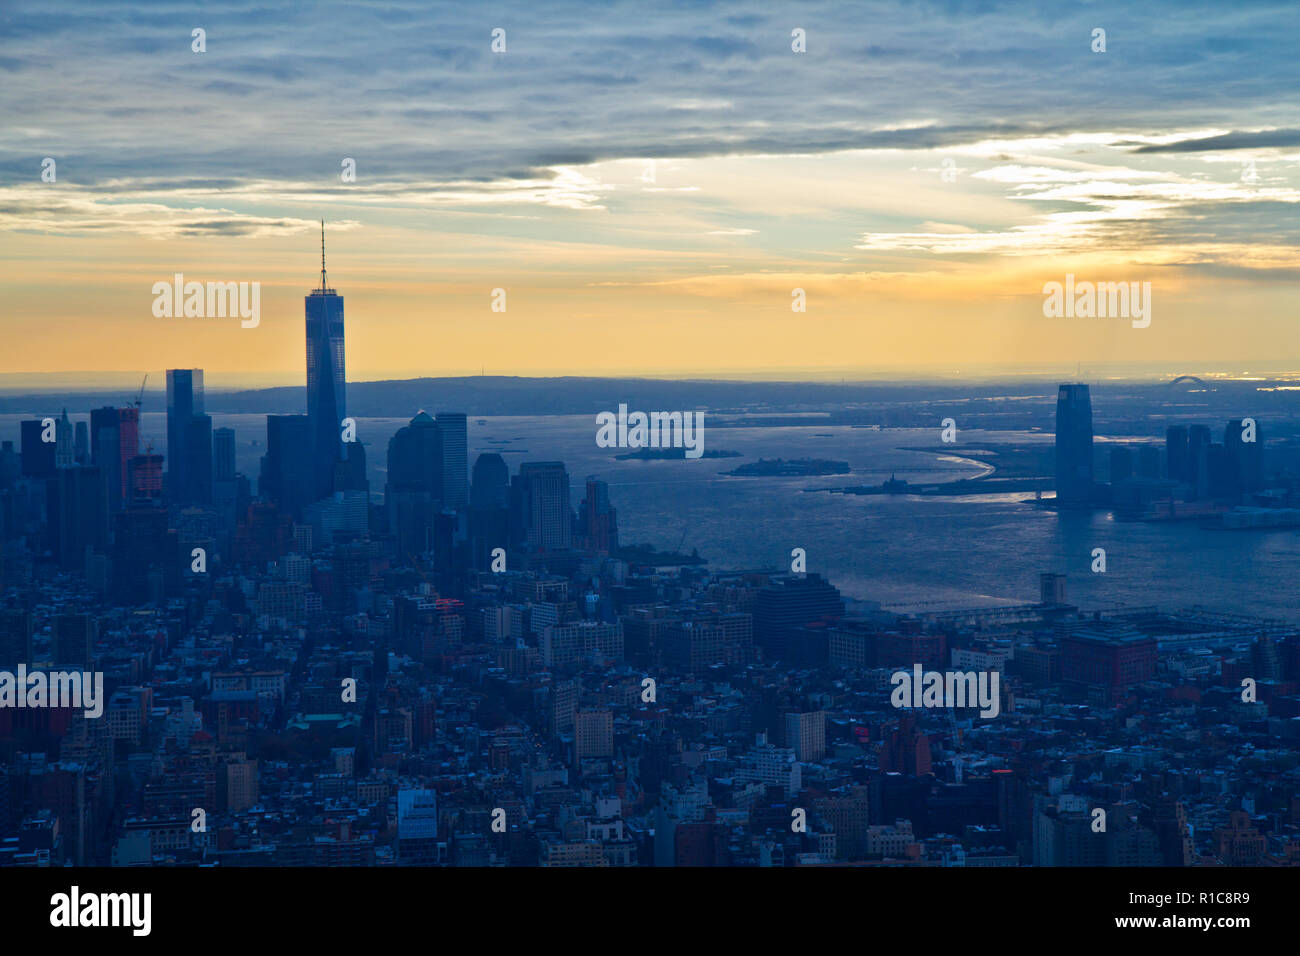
(1074, 478)
(453, 430)
(184, 405)
(326, 390)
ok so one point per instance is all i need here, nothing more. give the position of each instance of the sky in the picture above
(649, 184)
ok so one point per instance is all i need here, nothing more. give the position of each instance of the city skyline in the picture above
(760, 436)
(453, 605)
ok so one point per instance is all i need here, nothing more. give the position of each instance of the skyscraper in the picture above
(11, 466)
(1074, 478)
(413, 493)
(144, 480)
(184, 404)
(65, 455)
(599, 519)
(37, 454)
(81, 444)
(226, 488)
(326, 383)
(491, 487)
(198, 460)
(1220, 476)
(489, 508)
(454, 431)
(546, 516)
(77, 505)
(790, 602)
(1198, 448)
(223, 454)
(287, 474)
(1245, 458)
(128, 438)
(805, 733)
(106, 451)
(1177, 461)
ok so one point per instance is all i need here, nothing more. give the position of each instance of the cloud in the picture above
(1156, 216)
(286, 91)
(1062, 151)
(48, 210)
(1261, 139)
(169, 208)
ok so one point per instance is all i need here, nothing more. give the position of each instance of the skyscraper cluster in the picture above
(1228, 469)
(1145, 482)
(427, 480)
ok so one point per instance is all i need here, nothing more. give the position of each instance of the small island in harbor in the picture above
(790, 468)
(654, 454)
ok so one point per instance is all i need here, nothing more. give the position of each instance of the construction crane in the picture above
(139, 400)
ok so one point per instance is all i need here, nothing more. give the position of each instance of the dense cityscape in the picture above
(471, 671)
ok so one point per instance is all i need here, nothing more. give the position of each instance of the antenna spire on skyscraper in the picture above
(322, 255)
